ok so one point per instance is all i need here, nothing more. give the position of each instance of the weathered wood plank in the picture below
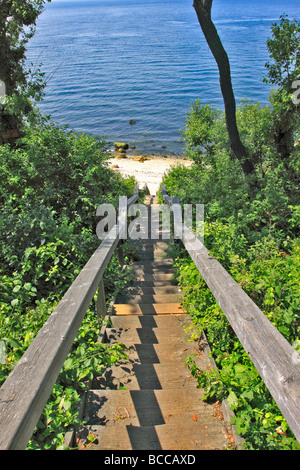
(156, 321)
(148, 309)
(272, 355)
(145, 377)
(147, 335)
(25, 392)
(154, 277)
(274, 358)
(149, 299)
(154, 419)
(153, 290)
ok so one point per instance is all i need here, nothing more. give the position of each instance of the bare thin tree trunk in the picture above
(7, 121)
(203, 10)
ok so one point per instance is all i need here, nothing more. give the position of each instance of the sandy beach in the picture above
(149, 171)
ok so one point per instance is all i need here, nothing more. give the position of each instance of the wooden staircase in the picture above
(150, 401)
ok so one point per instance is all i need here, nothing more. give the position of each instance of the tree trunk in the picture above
(203, 10)
(9, 123)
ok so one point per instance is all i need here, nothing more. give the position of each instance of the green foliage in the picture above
(254, 235)
(275, 288)
(50, 188)
(63, 170)
(201, 129)
(271, 279)
(283, 71)
(18, 327)
(254, 123)
(23, 85)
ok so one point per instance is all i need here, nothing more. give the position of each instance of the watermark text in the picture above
(148, 222)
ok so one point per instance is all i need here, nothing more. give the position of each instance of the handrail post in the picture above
(177, 215)
(100, 301)
(121, 254)
(122, 217)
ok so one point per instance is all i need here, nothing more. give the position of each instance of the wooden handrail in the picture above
(275, 359)
(28, 387)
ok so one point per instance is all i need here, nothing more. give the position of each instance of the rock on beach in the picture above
(121, 145)
(151, 172)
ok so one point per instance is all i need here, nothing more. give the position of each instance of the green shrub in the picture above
(257, 417)
(50, 188)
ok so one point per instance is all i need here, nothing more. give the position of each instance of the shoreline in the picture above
(147, 169)
(161, 152)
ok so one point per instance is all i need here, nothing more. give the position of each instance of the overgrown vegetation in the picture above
(253, 232)
(52, 180)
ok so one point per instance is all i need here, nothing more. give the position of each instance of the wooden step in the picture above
(152, 251)
(153, 241)
(162, 262)
(145, 407)
(154, 255)
(164, 437)
(154, 277)
(120, 419)
(146, 245)
(148, 269)
(153, 265)
(150, 199)
(148, 309)
(147, 335)
(160, 353)
(143, 283)
(156, 243)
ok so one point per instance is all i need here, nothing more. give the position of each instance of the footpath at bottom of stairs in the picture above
(150, 401)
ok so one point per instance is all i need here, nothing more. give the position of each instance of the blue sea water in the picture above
(110, 61)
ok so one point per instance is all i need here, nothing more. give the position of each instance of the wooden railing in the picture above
(275, 359)
(27, 389)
